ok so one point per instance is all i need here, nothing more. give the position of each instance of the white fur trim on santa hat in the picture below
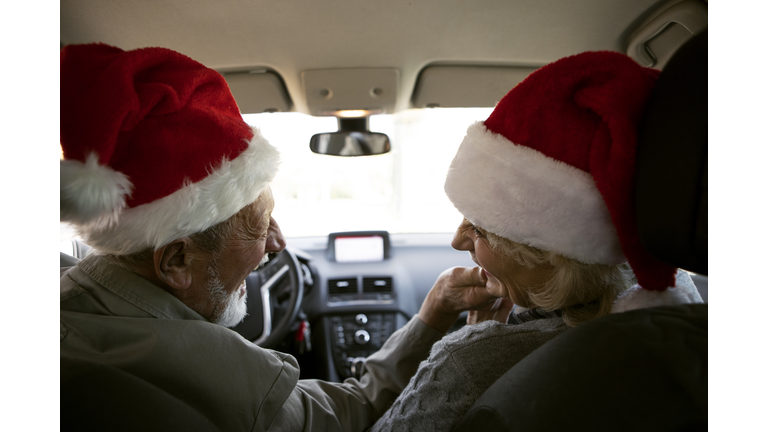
(90, 193)
(684, 292)
(520, 194)
(193, 208)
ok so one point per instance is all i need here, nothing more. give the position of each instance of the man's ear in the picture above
(173, 264)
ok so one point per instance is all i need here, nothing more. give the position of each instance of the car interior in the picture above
(373, 99)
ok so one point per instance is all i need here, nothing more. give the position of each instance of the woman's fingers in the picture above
(455, 290)
(463, 288)
(459, 278)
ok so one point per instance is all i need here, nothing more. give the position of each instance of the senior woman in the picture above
(545, 185)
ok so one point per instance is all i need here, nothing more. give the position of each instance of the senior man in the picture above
(170, 187)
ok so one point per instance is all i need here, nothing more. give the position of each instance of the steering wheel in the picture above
(275, 291)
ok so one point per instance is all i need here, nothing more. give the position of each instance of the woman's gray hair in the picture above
(581, 291)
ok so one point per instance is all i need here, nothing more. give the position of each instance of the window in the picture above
(401, 191)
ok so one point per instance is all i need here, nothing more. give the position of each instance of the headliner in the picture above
(292, 36)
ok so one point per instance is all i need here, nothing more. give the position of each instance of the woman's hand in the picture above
(456, 290)
(499, 312)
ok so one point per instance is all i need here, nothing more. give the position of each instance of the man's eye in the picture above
(476, 230)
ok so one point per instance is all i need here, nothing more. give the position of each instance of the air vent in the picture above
(377, 285)
(377, 289)
(342, 286)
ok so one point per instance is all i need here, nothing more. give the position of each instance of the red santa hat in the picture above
(554, 165)
(154, 148)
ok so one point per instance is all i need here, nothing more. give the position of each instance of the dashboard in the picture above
(353, 307)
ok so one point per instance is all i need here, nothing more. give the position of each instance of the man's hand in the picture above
(499, 312)
(456, 290)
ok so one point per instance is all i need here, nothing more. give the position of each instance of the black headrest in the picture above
(671, 187)
(642, 370)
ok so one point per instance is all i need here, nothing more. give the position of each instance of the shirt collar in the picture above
(520, 315)
(136, 290)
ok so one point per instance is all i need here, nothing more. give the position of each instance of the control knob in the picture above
(362, 337)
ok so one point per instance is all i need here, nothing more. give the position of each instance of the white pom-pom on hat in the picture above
(91, 194)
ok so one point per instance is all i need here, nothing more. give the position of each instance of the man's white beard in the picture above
(228, 310)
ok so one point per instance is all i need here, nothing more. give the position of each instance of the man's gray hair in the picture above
(242, 224)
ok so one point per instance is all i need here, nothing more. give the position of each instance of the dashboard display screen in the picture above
(359, 249)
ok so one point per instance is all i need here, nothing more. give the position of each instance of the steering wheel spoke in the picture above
(274, 298)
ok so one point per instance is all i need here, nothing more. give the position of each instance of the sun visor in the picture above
(465, 86)
(258, 91)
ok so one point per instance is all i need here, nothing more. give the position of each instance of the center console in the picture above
(356, 336)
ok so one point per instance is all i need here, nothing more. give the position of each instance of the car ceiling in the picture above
(291, 36)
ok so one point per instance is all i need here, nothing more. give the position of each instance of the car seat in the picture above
(644, 369)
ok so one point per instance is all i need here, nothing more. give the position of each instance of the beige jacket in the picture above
(130, 349)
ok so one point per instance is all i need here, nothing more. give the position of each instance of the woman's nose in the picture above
(461, 240)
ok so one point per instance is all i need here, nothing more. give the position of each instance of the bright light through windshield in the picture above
(401, 191)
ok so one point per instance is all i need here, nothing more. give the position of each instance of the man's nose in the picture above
(275, 239)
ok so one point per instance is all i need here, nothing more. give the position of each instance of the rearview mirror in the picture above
(350, 143)
(354, 138)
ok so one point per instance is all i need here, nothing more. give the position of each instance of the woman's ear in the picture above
(173, 264)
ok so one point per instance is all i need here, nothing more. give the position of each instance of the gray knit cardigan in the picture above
(459, 369)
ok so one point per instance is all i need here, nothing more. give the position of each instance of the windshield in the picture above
(401, 191)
